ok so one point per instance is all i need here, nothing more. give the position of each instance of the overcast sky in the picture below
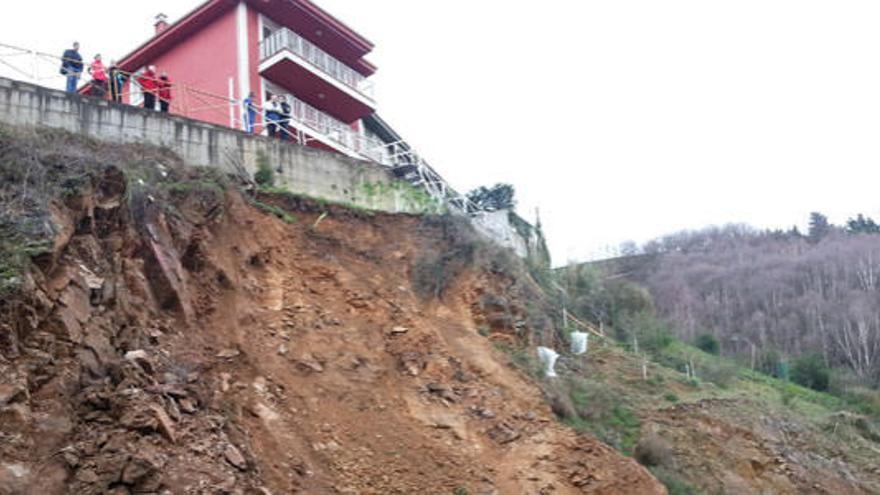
(619, 119)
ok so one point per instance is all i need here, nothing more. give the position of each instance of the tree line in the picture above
(773, 295)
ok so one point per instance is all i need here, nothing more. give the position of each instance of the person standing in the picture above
(99, 77)
(285, 118)
(117, 82)
(273, 115)
(72, 67)
(250, 112)
(164, 93)
(149, 83)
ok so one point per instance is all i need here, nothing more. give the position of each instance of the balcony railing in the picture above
(337, 131)
(285, 39)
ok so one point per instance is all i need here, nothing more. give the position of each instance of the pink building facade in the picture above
(225, 49)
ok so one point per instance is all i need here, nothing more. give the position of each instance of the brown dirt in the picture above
(212, 348)
(729, 442)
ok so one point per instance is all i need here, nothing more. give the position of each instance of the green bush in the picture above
(265, 176)
(709, 344)
(811, 372)
(771, 362)
(653, 334)
(602, 411)
(718, 371)
(653, 451)
(673, 483)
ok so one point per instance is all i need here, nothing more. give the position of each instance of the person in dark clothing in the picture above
(117, 82)
(164, 93)
(285, 119)
(149, 83)
(72, 67)
(250, 112)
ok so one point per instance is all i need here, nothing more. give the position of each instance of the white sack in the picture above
(548, 358)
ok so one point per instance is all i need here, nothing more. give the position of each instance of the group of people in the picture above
(157, 87)
(112, 80)
(278, 114)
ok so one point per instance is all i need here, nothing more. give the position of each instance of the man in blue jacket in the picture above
(72, 67)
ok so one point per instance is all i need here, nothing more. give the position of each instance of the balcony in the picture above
(333, 133)
(316, 76)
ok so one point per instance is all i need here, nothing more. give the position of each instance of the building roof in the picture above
(309, 20)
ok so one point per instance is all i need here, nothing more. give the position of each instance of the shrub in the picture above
(811, 372)
(770, 362)
(709, 344)
(265, 176)
(602, 411)
(652, 451)
(653, 334)
(721, 373)
(673, 483)
(434, 271)
(671, 397)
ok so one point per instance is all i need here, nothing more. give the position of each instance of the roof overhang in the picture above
(306, 18)
(316, 25)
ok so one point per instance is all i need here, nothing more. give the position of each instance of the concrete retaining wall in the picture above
(303, 170)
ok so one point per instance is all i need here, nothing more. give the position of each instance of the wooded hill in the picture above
(770, 296)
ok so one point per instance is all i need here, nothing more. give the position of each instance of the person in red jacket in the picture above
(149, 83)
(99, 77)
(164, 93)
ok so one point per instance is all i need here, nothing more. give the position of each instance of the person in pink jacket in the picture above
(99, 77)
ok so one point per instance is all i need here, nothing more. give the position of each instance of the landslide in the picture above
(163, 333)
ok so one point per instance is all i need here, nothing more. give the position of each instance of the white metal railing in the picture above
(285, 39)
(336, 131)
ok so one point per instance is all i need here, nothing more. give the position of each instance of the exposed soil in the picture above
(208, 347)
(738, 440)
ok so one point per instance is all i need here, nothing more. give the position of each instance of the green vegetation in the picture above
(405, 195)
(276, 211)
(265, 175)
(811, 372)
(673, 483)
(708, 343)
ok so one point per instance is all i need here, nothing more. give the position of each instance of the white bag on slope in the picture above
(579, 342)
(548, 358)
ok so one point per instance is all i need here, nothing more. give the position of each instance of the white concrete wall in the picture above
(496, 225)
(302, 170)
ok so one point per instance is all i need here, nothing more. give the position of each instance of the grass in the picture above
(275, 211)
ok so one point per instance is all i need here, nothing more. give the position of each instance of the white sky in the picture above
(620, 119)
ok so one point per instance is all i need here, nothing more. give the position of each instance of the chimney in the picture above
(161, 23)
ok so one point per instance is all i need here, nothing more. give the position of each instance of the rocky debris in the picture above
(188, 406)
(442, 391)
(152, 418)
(398, 331)
(228, 353)
(309, 363)
(13, 392)
(160, 349)
(234, 457)
(503, 433)
(142, 359)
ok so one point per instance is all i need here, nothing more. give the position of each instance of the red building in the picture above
(224, 49)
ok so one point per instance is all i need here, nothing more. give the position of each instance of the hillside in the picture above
(771, 297)
(163, 333)
(168, 329)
